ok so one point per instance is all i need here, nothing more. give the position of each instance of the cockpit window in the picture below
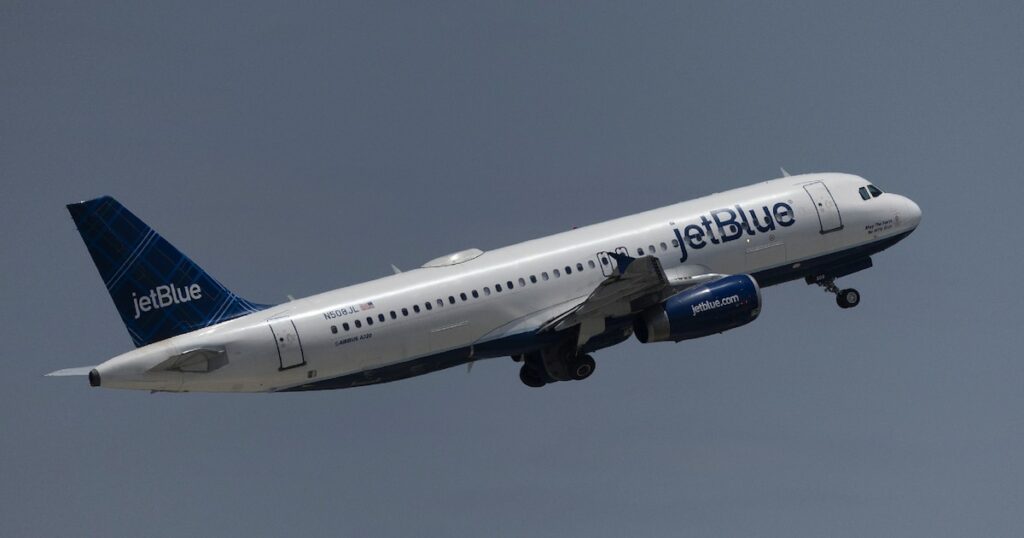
(864, 193)
(875, 191)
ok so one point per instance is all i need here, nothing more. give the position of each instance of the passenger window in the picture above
(394, 315)
(440, 302)
(334, 329)
(380, 317)
(344, 326)
(591, 264)
(462, 296)
(451, 299)
(568, 270)
(487, 291)
(497, 288)
(405, 311)
(556, 273)
(650, 248)
(663, 246)
(579, 266)
(358, 324)
(428, 305)
(476, 295)
(639, 251)
(369, 320)
(521, 282)
(604, 260)
(875, 191)
(864, 193)
(416, 308)
(509, 284)
(533, 279)
(675, 243)
(544, 275)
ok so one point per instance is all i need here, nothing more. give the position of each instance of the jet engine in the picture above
(710, 308)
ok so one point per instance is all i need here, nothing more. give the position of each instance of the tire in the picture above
(851, 297)
(530, 377)
(583, 367)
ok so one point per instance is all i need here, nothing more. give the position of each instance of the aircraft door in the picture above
(828, 211)
(289, 346)
(608, 264)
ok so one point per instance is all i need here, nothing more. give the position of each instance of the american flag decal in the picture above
(366, 306)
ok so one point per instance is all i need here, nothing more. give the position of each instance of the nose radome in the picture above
(913, 211)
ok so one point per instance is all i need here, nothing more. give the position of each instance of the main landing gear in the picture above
(534, 374)
(846, 298)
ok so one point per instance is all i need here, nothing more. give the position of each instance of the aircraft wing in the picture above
(638, 284)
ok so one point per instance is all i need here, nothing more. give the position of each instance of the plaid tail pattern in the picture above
(158, 291)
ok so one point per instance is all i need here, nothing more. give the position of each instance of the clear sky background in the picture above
(295, 148)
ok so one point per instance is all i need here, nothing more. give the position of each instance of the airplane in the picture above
(679, 272)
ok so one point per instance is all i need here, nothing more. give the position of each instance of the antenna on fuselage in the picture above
(395, 269)
(784, 172)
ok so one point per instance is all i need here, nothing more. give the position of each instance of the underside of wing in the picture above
(638, 284)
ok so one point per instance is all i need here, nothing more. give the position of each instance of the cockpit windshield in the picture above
(874, 191)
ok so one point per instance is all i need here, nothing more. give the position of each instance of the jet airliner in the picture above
(683, 271)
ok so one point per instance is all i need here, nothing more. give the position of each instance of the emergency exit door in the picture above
(609, 265)
(825, 205)
(289, 346)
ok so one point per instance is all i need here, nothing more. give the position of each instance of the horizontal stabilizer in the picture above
(81, 370)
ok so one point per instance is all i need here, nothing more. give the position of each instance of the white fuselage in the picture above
(360, 332)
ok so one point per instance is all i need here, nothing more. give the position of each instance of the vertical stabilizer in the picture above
(158, 291)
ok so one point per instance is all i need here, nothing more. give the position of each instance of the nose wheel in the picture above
(848, 298)
(845, 298)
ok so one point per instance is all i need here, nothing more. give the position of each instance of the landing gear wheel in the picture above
(583, 367)
(848, 298)
(530, 377)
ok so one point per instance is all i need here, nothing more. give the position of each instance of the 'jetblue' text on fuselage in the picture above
(724, 225)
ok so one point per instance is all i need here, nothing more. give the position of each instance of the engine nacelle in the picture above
(710, 308)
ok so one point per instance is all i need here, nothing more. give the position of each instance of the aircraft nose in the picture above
(913, 213)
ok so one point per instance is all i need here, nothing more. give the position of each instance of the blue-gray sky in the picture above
(291, 149)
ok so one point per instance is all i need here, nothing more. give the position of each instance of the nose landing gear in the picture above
(848, 298)
(845, 298)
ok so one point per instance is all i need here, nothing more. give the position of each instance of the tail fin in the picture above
(158, 291)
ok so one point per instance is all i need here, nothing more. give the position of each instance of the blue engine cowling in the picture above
(710, 308)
